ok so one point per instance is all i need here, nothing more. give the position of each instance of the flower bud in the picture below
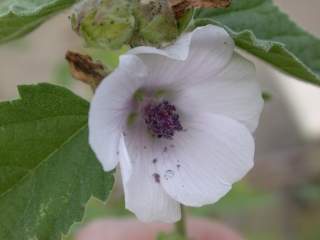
(157, 23)
(114, 23)
(104, 23)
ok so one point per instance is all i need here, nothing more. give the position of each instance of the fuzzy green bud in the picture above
(110, 24)
(104, 23)
(156, 22)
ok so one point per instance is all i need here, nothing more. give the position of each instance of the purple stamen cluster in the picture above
(162, 119)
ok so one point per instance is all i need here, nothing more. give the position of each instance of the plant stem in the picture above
(180, 226)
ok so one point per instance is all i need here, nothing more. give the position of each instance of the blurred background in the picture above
(280, 199)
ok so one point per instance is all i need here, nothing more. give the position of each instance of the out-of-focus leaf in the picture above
(19, 17)
(259, 27)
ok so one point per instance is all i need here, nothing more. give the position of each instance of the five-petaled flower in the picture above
(180, 122)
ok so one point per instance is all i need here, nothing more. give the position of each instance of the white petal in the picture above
(234, 92)
(125, 162)
(110, 107)
(204, 52)
(144, 196)
(178, 51)
(213, 153)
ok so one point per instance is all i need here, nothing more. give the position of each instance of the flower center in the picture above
(162, 119)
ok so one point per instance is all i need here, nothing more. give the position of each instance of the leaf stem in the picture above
(180, 227)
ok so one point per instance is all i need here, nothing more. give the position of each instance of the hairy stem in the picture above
(180, 227)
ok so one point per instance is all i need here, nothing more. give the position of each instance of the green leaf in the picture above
(19, 17)
(47, 169)
(259, 27)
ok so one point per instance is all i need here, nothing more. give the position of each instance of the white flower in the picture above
(179, 120)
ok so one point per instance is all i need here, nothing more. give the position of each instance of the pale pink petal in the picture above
(199, 166)
(197, 55)
(110, 107)
(144, 195)
(234, 92)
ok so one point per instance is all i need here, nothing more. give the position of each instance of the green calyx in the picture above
(111, 24)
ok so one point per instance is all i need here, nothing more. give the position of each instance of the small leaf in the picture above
(260, 28)
(20, 17)
(47, 169)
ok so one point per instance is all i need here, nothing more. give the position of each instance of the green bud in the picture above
(104, 23)
(110, 24)
(156, 22)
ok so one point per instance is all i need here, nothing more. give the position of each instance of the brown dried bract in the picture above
(180, 6)
(210, 3)
(83, 68)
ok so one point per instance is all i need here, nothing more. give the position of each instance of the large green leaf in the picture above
(19, 17)
(47, 169)
(260, 28)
